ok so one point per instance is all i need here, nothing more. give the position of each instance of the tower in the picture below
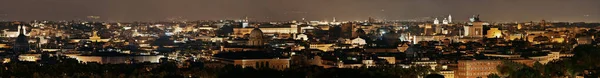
(245, 22)
(346, 30)
(449, 18)
(371, 20)
(543, 23)
(22, 29)
(519, 26)
(334, 19)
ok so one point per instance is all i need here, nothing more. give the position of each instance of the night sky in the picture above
(283, 10)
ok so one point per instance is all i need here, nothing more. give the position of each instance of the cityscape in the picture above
(293, 42)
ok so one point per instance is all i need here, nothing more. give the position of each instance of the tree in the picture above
(493, 75)
(508, 67)
(586, 55)
(526, 72)
(538, 66)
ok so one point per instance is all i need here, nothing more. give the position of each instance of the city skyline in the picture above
(300, 38)
(283, 10)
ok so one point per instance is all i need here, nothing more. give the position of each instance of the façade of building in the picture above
(254, 59)
(475, 28)
(482, 68)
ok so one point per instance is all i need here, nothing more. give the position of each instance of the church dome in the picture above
(21, 44)
(256, 33)
(359, 33)
(21, 39)
(256, 38)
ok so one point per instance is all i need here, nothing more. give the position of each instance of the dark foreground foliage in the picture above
(70, 68)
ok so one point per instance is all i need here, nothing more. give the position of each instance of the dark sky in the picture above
(283, 10)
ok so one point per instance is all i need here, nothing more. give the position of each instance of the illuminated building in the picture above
(95, 37)
(436, 21)
(519, 26)
(29, 57)
(358, 41)
(210, 39)
(12, 33)
(272, 30)
(482, 68)
(445, 21)
(439, 30)
(403, 47)
(322, 46)
(447, 73)
(301, 37)
(476, 68)
(417, 39)
(584, 40)
(244, 25)
(494, 33)
(475, 29)
(428, 30)
(292, 29)
(547, 58)
(558, 40)
(431, 64)
(254, 59)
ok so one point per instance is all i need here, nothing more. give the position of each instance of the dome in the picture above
(21, 44)
(256, 38)
(256, 33)
(359, 33)
(21, 39)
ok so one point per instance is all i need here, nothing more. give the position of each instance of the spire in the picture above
(334, 19)
(19, 29)
(246, 19)
(22, 30)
